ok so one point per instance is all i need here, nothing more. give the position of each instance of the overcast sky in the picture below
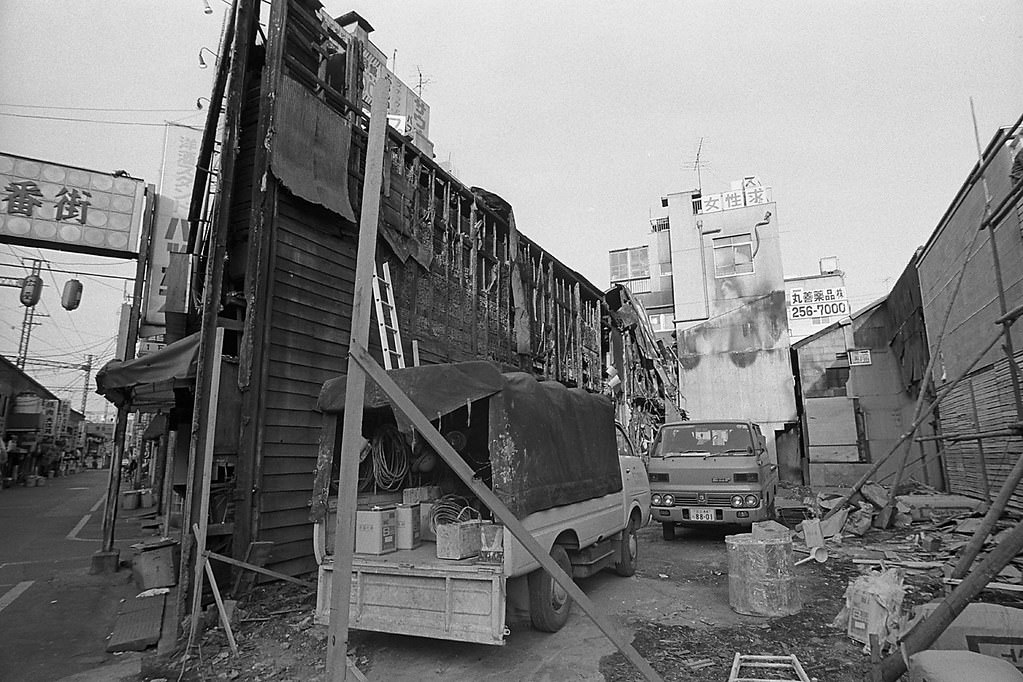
(582, 115)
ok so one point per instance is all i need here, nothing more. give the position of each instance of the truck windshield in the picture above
(703, 439)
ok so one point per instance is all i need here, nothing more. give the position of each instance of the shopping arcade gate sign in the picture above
(53, 206)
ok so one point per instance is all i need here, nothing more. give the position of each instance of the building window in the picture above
(659, 224)
(630, 264)
(733, 255)
(619, 265)
(664, 202)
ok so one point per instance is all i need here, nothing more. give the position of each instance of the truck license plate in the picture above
(703, 515)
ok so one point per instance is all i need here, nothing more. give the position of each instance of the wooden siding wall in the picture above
(983, 402)
(310, 324)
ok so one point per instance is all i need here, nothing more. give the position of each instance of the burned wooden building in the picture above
(467, 284)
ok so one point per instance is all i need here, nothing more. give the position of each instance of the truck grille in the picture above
(710, 500)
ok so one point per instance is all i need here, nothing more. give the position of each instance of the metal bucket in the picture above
(761, 579)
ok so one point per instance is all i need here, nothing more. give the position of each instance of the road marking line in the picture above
(14, 593)
(78, 527)
(96, 506)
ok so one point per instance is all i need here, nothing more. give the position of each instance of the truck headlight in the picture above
(736, 500)
(655, 499)
(752, 500)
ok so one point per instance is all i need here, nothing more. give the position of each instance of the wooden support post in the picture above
(351, 434)
(487, 496)
(202, 521)
(204, 562)
(246, 23)
(166, 500)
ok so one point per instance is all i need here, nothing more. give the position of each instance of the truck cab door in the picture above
(635, 482)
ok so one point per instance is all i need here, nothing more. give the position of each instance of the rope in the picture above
(390, 453)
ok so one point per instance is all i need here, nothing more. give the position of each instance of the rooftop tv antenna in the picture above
(420, 82)
(696, 164)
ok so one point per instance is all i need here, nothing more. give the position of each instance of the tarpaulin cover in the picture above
(549, 445)
(148, 382)
(310, 149)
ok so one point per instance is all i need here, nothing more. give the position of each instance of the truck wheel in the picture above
(549, 602)
(628, 551)
(668, 530)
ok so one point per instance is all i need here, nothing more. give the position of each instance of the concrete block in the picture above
(138, 624)
(105, 562)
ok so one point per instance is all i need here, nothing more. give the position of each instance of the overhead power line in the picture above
(115, 109)
(92, 120)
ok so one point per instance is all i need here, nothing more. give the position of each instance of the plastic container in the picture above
(130, 499)
(761, 578)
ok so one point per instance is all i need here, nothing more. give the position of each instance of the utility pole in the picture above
(87, 368)
(27, 322)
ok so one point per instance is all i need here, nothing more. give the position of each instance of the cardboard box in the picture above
(425, 512)
(873, 605)
(408, 535)
(375, 531)
(459, 540)
(866, 617)
(423, 493)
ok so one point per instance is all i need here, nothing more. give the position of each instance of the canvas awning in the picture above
(147, 383)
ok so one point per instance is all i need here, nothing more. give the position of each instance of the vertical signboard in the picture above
(170, 229)
(49, 421)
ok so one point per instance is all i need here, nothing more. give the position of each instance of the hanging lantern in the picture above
(31, 290)
(72, 295)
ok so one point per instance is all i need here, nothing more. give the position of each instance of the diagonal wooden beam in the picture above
(432, 436)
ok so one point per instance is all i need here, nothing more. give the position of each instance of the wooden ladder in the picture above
(387, 318)
(777, 663)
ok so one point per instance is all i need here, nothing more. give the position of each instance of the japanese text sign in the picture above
(751, 193)
(170, 230)
(53, 206)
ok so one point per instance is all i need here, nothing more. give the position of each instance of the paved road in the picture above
(54, 616)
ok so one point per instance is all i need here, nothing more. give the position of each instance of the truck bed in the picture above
(412, 592)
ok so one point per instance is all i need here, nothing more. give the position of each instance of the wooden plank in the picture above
(206, 474)
(284, 518)
(496, 506)
(259, 569)
(337, 641)
(292, 435)
(286, 482)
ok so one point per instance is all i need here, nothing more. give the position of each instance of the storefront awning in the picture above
(147, 383)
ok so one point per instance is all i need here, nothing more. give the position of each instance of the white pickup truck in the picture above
(553, 455)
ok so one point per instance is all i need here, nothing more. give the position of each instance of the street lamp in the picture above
(202, 62)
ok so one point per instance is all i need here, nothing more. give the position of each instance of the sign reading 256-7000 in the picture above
(811, 303)
(53, 206)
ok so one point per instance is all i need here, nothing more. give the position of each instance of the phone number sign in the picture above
(71, 209)
(811, 303)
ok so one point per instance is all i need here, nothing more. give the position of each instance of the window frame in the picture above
(730, 243)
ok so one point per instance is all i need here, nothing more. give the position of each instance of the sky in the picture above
(581, 115)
